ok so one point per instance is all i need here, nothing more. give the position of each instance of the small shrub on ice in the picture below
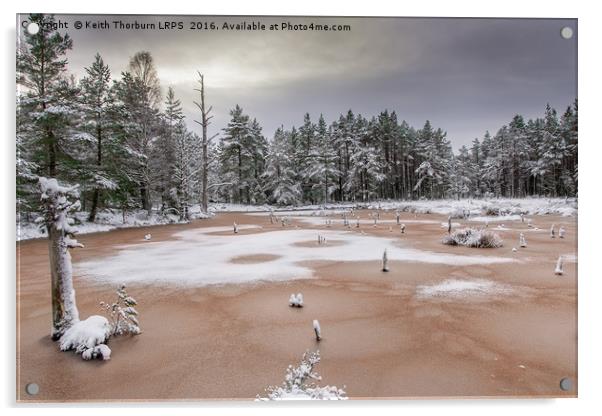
(470, 237)
(299, 383)
(123, 314)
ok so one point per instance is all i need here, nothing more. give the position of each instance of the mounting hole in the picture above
(566, 32)
(566, 384)
(33, 28)
(32, 389)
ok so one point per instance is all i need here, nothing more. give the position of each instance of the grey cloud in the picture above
(465, 75)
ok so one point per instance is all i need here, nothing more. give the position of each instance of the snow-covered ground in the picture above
(106, 220)
(480, 210)
(204, 256)
(475, 207)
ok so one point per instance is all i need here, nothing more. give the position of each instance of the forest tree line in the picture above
(128, 146)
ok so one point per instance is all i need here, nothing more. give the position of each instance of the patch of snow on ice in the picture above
(200, 256)
(455, 288)
(495, 218)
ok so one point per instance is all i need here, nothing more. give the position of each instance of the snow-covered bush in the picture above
(299, 383)
(88, 338)
(122, 314)
(470, 237)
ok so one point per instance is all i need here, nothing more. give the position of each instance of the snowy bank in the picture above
(107, 220)
(474, 207)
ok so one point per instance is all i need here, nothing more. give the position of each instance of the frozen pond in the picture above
(201, 257)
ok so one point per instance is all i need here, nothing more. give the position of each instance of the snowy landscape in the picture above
(348, 258)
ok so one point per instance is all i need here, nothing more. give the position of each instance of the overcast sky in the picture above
(464, 75)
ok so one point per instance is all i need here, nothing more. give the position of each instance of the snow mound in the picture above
(456, 288)
(86, 335)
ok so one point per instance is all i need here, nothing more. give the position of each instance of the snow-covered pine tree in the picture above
(43, 110)
(279, 177)
(97, 102)
(57, 204)
(305, 154)
(236, 155)
(258, 148)
(320, 168)
(163, 162)
(187, 151)
(365, 173)
(139, 124)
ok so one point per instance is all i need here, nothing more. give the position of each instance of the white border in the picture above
(590, 312)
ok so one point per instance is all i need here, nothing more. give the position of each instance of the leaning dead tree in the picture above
(204, 123)
(57, 203)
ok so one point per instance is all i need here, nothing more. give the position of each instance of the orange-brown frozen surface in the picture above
(385, 335)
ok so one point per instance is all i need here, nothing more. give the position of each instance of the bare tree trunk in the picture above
(205, 117)
(96, 195)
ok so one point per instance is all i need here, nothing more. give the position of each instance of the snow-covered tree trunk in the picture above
(55, 209)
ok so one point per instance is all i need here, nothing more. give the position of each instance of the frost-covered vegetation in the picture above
(471, 237)
(122, 314)
(299, 383)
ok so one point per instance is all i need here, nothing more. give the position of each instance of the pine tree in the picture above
(321, 168)
(44, 109)
(139, 125)
(234, 155)
(280, 182)
(97, 102)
